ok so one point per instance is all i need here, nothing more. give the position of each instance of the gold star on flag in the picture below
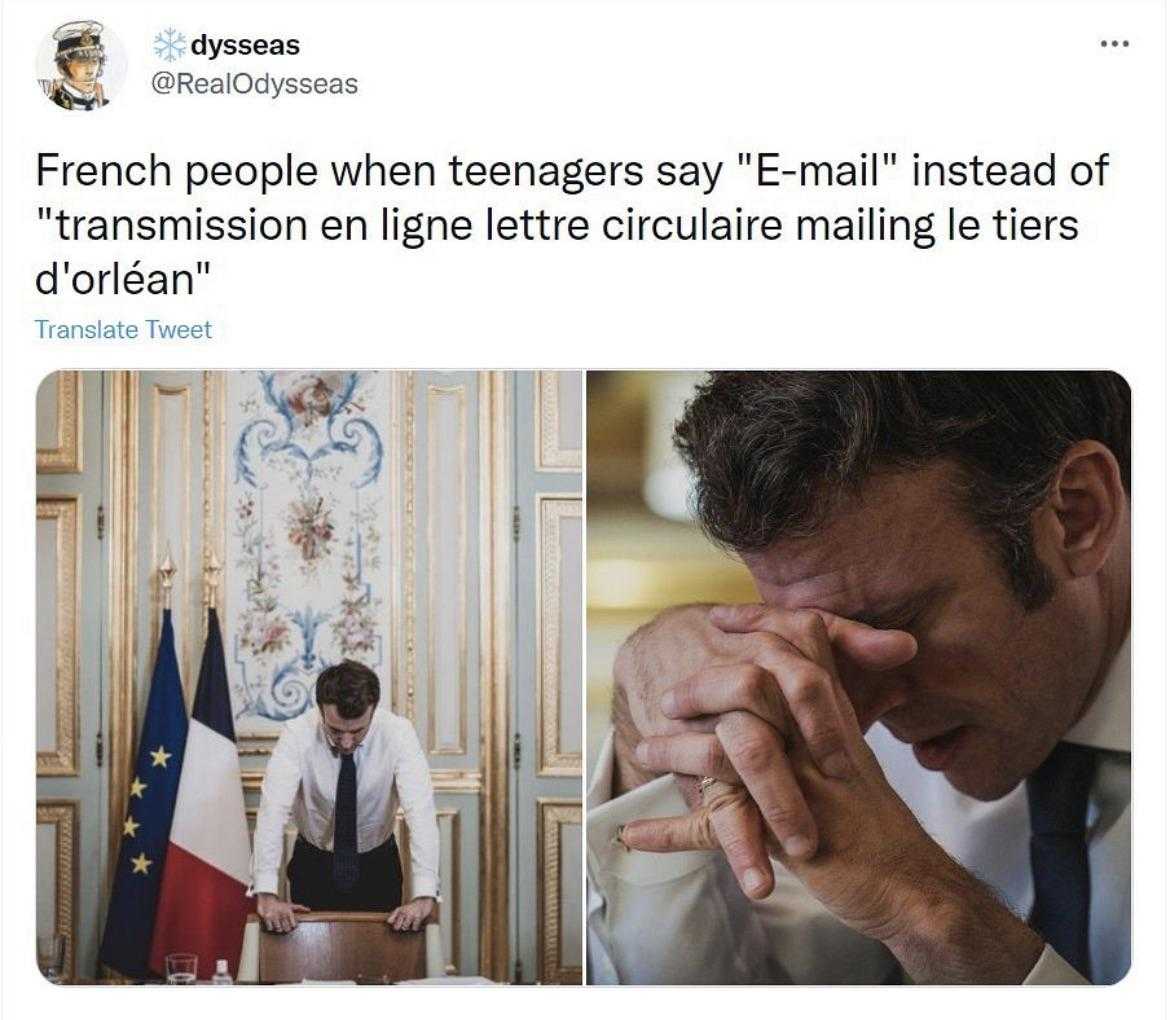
(141, 864)
(130, 827)
(137, 787)
(159, 757)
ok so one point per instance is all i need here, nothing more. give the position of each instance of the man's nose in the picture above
(874, 694)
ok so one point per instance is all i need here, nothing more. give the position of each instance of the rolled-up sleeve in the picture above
(282, 780)
(412, 777)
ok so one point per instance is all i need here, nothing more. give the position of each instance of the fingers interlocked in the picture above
(750, 720)
(756, 750)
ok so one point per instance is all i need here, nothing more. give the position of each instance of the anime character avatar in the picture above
(80, 60)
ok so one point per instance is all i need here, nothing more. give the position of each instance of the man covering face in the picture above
(945, 555)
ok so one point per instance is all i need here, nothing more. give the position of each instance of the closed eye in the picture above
(907, 614)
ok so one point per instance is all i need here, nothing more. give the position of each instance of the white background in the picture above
(644, 81)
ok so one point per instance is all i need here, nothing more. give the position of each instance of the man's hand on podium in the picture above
(411, 916)
(278, 915)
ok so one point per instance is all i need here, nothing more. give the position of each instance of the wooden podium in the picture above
(336, 946)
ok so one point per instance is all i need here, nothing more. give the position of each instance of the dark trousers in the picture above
(379, 884)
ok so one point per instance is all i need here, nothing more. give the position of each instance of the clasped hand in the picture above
(778, 731)
(766, 716)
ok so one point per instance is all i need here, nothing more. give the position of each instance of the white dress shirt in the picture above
(682, 919)
(301, 780)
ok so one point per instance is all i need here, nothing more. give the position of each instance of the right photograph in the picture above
(858, 677)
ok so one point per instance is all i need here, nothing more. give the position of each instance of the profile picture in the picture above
(81, 66)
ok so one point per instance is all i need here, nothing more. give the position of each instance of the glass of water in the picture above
(182, 968)
(51, 957)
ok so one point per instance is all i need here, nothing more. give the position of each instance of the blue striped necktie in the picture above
(345, 855)
(1058, 800)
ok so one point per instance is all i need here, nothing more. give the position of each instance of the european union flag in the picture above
(150, 807)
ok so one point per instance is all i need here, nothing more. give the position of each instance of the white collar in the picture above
(1106, 723)
(86, 97)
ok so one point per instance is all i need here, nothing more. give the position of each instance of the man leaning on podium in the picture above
(341, 771)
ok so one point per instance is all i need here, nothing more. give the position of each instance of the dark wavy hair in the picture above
(773, 453)
(350, 686)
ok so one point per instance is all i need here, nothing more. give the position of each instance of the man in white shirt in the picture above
(944, 553)
(341, 771)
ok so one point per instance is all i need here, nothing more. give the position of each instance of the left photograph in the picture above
(308, 684)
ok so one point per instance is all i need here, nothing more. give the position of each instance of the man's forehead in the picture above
(792, 582)
(337, 721)
(877, 548)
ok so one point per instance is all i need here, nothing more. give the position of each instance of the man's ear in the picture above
(1079, 524)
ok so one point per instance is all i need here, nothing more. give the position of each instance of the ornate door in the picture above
(70, 608)
(547, 703)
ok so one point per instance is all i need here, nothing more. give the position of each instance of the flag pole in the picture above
(211, 574)
(166, 571)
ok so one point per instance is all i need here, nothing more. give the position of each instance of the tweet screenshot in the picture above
(665, 493)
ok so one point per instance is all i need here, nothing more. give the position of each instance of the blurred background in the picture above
(644, 551)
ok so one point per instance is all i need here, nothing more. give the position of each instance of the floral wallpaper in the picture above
(308, 516)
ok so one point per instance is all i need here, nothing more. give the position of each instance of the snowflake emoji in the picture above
(169, 45)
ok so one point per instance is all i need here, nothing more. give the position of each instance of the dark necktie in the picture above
(345, 855)
(1058, 800)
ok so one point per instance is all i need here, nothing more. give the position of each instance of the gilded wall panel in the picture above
(558, 421)
(447, 494)
(496, 478)
(558, 607)
(558, 822)
(62, 455)
(62, 673)
(62, 815)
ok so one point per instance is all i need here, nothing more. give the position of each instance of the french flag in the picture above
(203, 904)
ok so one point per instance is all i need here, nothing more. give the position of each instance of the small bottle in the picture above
(221, 975)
